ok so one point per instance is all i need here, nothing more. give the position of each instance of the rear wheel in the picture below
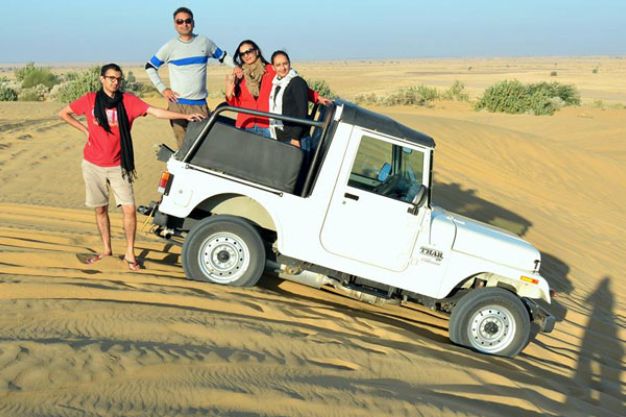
(224, 250)
(492, 321)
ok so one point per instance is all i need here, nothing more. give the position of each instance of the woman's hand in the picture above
(295, 142)
(230, 86)
(324, 101)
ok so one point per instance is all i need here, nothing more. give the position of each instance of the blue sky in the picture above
(132, 30)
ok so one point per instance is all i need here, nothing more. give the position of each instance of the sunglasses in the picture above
(247, 51)
(181, 21)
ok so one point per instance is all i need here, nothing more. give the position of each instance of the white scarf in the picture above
(279, 85)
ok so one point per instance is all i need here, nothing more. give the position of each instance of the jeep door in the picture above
(371, 216)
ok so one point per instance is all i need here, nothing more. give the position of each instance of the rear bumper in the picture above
(165, 224)
(540, 315)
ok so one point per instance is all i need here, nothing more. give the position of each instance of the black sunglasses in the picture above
(247, 51)
(181, 21)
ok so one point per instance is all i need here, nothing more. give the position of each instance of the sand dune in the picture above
(79, 339)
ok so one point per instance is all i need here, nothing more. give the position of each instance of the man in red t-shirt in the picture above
(108, 163)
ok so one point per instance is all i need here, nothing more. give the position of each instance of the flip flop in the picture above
(93, 259)
(133, 265)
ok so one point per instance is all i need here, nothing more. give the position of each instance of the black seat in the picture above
(251, 157)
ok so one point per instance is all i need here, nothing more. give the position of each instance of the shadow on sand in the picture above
(454, 198)
(594, 390)
(600, 361)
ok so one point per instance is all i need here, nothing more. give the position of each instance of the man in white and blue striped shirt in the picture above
(186, 57)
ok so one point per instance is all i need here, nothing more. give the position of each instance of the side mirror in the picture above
(419, 199)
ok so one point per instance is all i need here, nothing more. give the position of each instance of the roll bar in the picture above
(225, 108)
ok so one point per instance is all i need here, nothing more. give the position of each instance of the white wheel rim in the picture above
(223, 257)
(491, 329)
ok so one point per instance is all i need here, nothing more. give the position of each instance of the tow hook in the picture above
(147, 210)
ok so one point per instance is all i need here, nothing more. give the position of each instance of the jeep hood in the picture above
(491, 243)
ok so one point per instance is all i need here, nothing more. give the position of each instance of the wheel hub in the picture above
(491, 329)
(223, 257)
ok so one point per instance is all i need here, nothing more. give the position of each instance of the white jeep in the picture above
(353, 211)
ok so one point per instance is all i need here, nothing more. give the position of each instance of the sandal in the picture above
(93, 259)
(133, 265)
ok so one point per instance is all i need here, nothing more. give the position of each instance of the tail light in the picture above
(165, 183)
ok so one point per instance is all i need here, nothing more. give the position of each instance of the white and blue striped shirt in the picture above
(187, 62)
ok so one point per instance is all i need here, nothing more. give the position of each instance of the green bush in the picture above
(21, 73)
(131, 84)
(568, 93)
(322, 88)
(7, 93)
(539, 99)
(367, 98)
(31, 76)
(456, 92)
(420, 95)
(78, 84)
(36, 93)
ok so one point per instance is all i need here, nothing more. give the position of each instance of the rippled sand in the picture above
(79, 339)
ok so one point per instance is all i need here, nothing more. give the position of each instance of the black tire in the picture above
(224, 250)
(492, 321)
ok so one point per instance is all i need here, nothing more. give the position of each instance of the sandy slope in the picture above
(100, 340)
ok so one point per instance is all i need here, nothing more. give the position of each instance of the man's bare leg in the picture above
(130, 229)
(104, 228)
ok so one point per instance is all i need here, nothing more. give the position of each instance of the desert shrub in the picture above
(36, 93)
(367, 98)
(140, 89)
(456, 92)
(149, 90)
(505, 96)
(539, 98)
(428, 93)
(78, 84)
(553, 73)
(595, 70)
(20, 73)
(322, 88)
(131, 84)
(6, 92)
(420, 95)
(566, 92)
(31, 76)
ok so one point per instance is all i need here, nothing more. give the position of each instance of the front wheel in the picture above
(492, 321)
(224, 250)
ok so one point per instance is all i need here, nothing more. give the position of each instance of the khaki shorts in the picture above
(98, 181)
(179, 126)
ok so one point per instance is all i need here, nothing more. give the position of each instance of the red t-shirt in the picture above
(260, 103)
(103, 148)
